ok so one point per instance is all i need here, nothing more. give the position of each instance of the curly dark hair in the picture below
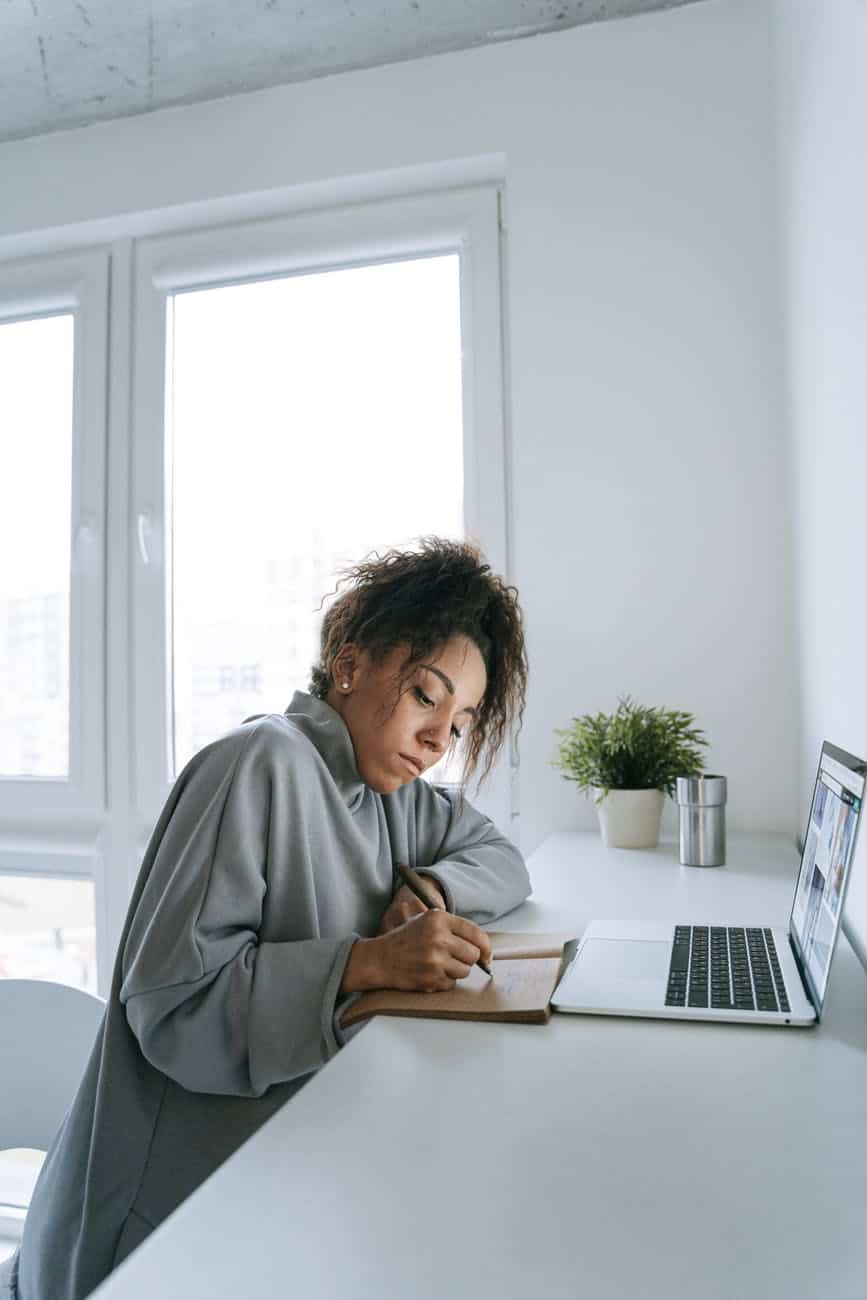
(421, 598)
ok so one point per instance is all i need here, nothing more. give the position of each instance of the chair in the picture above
(47, 1031)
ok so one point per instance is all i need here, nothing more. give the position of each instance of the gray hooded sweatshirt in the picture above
(269, 859)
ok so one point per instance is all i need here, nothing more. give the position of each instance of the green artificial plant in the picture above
(634, 748)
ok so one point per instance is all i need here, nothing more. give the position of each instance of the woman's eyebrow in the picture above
(448, 684)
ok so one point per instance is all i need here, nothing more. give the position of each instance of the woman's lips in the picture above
(413, 764)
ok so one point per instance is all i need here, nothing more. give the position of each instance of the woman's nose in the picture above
(436, 737)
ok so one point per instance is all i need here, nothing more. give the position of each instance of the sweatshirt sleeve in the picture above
(481, 873)
(212, 1005)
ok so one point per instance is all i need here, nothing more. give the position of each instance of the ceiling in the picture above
(66, 63)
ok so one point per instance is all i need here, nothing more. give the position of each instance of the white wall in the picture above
(652, 531)
(823, 136)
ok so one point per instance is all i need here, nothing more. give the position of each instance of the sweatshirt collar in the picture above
(325, 729)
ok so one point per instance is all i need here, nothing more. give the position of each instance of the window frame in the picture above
(78, 284)
(465, 221)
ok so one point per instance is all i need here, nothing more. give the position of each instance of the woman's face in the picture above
(395, 743)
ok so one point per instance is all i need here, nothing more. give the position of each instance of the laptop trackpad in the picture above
(605, 961)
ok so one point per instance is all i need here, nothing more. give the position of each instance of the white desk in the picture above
(604, 1157)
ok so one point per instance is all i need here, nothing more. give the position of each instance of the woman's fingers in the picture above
(425, 948)
(429, 951)
(455, 944)
(465, 931)
(464, 952)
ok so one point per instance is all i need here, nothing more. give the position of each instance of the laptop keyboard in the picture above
(729, 968)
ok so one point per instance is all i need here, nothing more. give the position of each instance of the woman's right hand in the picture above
(428, 953)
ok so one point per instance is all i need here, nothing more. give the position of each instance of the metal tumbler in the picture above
(701, 801)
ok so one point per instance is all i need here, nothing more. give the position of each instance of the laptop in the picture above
(754, 974)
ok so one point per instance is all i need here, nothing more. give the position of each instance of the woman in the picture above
(267, 902)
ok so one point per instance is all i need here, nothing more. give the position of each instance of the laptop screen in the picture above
(828, 849)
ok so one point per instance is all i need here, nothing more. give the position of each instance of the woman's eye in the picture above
(429, 703)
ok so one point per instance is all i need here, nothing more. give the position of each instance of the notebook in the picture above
(525, 968)
(754, 974)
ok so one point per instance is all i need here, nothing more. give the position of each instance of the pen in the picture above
(413, 881)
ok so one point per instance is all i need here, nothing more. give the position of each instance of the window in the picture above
(48, 929)
(285, 396)
(326, 386)
(35, 509)
(273, 457)
(53, 396)
(53, 332)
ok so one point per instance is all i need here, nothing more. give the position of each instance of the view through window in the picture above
(36, 369)
(48, 929)
(311, 419)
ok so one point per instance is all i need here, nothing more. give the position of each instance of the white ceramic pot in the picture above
(629, 819)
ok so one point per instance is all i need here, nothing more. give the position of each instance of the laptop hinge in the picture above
(805, 983)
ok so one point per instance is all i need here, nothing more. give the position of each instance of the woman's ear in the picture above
(346, 668)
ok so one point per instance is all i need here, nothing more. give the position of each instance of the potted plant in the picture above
(629, 761)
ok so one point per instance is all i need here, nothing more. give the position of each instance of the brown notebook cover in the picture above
(526, 969)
